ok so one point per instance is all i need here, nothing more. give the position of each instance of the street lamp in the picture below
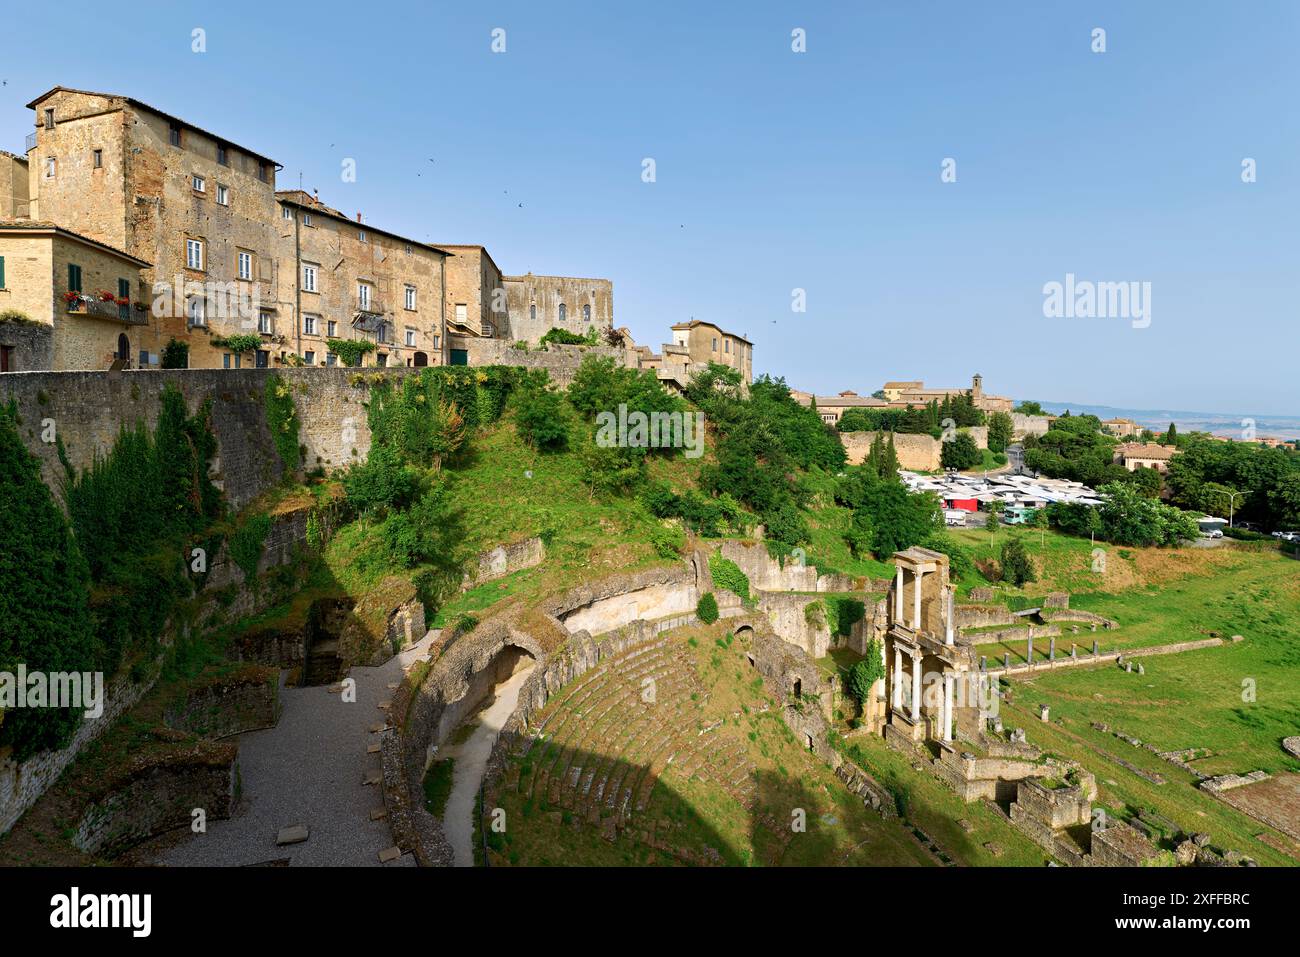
(1232, 499)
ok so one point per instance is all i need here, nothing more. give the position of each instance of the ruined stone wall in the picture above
(246, 699)
(505, 560)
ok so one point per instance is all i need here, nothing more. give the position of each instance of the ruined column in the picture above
(916, 599)
(1074, 650)
(1051, 649)
(952, 591)
(916, 688)
(1006, 660)
(1029, 656)
(898, 678)
(1094, 647)
(947, 706)
(898, 595)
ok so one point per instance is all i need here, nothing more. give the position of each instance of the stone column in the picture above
(947, 706)
(898, 595)
(1094, 647)
(898, 679)
(1051, 649)
(916, 688)
(916, 599)
(1029, 652)
(952, 591)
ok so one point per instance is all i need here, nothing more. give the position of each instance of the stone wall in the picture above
(246, 699)
(505, 560)
(90, 409)
(1022, 425)
(158, 792)
(534, 305)
(559, 361)
(32, 343)
(916, 452)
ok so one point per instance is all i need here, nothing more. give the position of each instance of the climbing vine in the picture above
(282, 419)
(351, 351)
(727, 574)
(246, 544)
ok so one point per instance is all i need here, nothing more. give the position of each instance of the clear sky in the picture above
(778, 170)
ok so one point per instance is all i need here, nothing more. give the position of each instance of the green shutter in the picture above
(2, 272)
(124, 289)
(74, 278)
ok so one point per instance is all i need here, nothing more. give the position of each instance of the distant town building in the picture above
(1122, 428)
(832, 407)
(902, 394)
(1145, 454)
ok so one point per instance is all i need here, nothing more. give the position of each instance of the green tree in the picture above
(1000, 429)
(1030, 408)
(995, 510)
(45, 622)
(865, 673)
(1017, 567)
(960, 453)
(706, 609)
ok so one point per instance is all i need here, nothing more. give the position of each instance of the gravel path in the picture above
(309, 769)
(471, 760)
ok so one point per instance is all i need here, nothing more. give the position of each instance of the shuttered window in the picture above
(2, 272)
(74, 277)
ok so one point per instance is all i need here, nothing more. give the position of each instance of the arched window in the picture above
(563, 312)
(123, 347)
(586, 313)
(532, 311)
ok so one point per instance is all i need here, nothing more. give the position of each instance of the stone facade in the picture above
(40, 263)
(538, 304)
(15, 198)
(476, 298)
(345, 279)
(705, 342)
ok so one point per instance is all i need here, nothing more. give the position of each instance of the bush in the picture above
(246, 544)
(668, 540)
(540, 418)
(381, 482)
(706, 609)
(960, 452)
(176, 354)
(727, 574)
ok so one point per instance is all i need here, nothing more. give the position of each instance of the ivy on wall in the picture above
(282, 420)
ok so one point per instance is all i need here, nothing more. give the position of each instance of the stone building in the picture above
(831, 408)
(345, 279)
(475, 296)
(538, 304)
(195, 206)
(900, 395)
(15, 199)
(1131, 455)
(68, 301)
(704, 342)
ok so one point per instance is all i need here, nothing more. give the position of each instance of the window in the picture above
(715, 343)
(309, 325)
(331, 359)
(263, 359)
(49, 119)
(245, 260)
(410, 337)
(407, 249)
(308, 277)
(363, 296)
(532, 312)
(462, 315)
(437, 341)
(174, 134)
(198, 183)
(98, 158)
(410, 297)
(195, 311)
(194, 253)
(225, 360)
(331, 329)
(726, 346)
(361, 235)
(222, 158)
(564, 311)
(264, 322)
(2, 272)
(306, 219)
(286, 212)
(223, 195)
(263, 172)
(74, 277)
(123, 293)
(51, 167)
(586, 313)
(309, 357)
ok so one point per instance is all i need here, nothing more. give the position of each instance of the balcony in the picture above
(31, 141)
(93, 308)
(372, 305)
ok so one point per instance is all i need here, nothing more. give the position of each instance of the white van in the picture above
(955, 517)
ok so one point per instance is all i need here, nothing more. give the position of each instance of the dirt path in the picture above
(471, 760)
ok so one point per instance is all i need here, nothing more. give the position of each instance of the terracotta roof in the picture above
(304, 200)
(51, 229)
(152, 109)
(1144, 450)
(712, 325)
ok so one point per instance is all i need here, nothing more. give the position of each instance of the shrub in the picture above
(667, 540)
(246, 544)
(960, 452)
(540, 418)
(1017, 567)
(866, 673)
(706, 609)
(282, 420)
(727, 574)
(381, 482)
(176, 354)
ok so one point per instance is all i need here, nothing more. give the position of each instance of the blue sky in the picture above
(778, 170)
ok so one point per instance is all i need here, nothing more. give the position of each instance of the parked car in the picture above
(1287, 536)
(1212, 533)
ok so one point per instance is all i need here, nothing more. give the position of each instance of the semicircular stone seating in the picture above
(605, 741)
